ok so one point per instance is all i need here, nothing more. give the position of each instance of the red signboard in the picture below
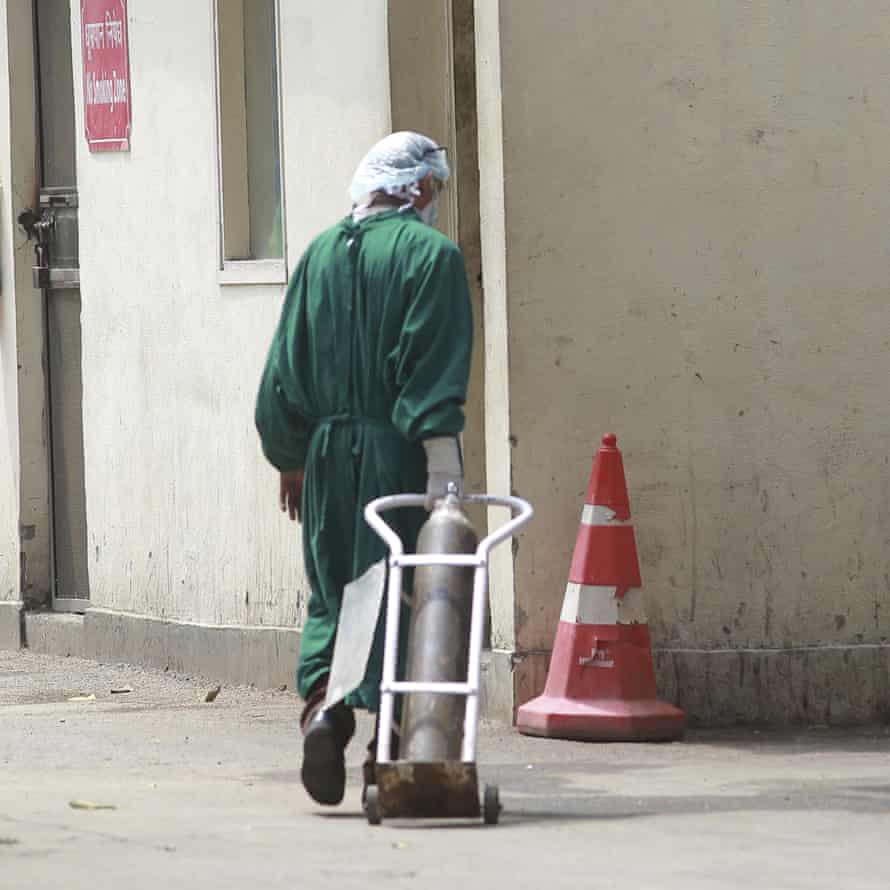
(106, 74)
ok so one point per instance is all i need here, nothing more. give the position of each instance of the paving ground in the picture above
(207, 795)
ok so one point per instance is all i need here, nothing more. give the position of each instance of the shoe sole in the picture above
(324, 767)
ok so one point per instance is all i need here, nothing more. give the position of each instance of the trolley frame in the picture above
(390, 687)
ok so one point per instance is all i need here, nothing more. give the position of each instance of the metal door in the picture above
(53, 224)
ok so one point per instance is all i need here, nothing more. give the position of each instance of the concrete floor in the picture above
(208, 795)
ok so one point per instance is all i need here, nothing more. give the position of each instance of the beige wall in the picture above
(697, 220)
(182, 510)
(684, 236)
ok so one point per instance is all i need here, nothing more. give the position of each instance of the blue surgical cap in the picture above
(396, 164)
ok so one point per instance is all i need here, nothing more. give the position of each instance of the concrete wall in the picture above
(182, 510)
(683, 231)
(697, 258)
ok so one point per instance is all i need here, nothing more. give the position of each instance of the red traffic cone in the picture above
(601, 682)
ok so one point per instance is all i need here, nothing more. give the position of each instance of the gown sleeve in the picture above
(284, 432)
(435, 347)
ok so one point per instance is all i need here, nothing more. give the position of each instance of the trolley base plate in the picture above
(443, 790)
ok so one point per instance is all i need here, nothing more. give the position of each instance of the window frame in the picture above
(259, 271)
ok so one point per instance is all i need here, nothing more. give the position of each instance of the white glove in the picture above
(444, 466)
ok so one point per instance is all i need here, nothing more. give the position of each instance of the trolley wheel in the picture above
(491, 805)
(372, 805)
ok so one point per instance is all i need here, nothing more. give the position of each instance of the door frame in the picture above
(58, 603)
(27, 367)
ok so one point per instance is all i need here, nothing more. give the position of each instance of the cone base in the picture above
(606, 720)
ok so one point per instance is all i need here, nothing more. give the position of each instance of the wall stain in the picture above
(756, 135)
(768, 618)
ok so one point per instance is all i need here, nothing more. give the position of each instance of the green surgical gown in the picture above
(371, 356)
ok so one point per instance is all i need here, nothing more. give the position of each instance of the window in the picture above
(252, 236)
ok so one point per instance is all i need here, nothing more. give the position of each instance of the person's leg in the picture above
(316, 639)
(313, 702)
(326, 732)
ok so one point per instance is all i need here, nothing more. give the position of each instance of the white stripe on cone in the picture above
(596, 514)
(588, 604)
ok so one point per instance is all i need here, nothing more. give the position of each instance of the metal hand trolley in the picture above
(445, 788)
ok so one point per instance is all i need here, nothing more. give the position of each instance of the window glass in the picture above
(250, 156)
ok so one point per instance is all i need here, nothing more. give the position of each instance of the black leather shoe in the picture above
(324, 762)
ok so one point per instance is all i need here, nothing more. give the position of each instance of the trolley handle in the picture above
(522, 510)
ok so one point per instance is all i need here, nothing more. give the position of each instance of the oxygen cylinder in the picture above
(439, 637)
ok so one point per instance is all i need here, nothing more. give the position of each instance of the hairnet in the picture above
(396, 164)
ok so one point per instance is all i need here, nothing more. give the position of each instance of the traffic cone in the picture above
(601, 681)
